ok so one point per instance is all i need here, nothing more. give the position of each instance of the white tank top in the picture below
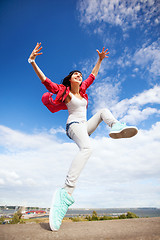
(77, 109)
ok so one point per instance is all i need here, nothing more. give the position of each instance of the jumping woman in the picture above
(71, 95)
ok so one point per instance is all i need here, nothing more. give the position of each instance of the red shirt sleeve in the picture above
(51, 86)
(86, 83)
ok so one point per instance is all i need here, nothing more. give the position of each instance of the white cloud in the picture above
(134, 115)
(148, 57)
(135, 70)
(58, 130)
(124, 61)
(13, 139)
(148, 96)
(2, 181)
(133, 110)
(30, 182)
(119, 166)
(157, 20)
(115, 167)
(104, 94)
(116, 12)
(10, 177)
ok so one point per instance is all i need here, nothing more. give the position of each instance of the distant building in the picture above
(36, 212)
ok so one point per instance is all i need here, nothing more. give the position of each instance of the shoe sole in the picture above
(51, 213)
(127, 132)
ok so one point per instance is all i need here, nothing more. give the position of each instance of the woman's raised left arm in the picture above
(102, 55)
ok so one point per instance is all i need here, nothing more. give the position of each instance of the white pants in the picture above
(79, 133)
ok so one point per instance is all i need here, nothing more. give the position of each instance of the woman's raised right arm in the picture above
(31, 60)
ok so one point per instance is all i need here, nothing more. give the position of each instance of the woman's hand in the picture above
(33, 55)
(36, 51)
(103, 54)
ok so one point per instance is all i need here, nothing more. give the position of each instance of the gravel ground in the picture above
(124, 229)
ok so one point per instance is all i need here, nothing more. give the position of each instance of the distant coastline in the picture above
(74, 212)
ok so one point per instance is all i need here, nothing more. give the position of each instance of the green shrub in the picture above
(78, 219)
(89, 218)
(123, 216)
(131, 215)
(106, 218)
(16, 217)
(94, 216)
(2, 219)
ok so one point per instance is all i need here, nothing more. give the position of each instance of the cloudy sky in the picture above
(35, 153)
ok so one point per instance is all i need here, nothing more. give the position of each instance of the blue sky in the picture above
(35, 153)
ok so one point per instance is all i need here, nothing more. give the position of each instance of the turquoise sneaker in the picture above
(120, 130)
(60, 204)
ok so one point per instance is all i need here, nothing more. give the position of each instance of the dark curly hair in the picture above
(66, 81)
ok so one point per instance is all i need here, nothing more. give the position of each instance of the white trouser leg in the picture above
(79, 133)
(102, 115)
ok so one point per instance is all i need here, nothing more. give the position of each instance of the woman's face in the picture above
(76, 78)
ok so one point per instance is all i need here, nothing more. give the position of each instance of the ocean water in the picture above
(141, 212)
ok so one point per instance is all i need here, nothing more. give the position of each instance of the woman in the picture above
(71, 95)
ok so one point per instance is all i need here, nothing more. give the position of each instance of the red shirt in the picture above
(62, 92)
